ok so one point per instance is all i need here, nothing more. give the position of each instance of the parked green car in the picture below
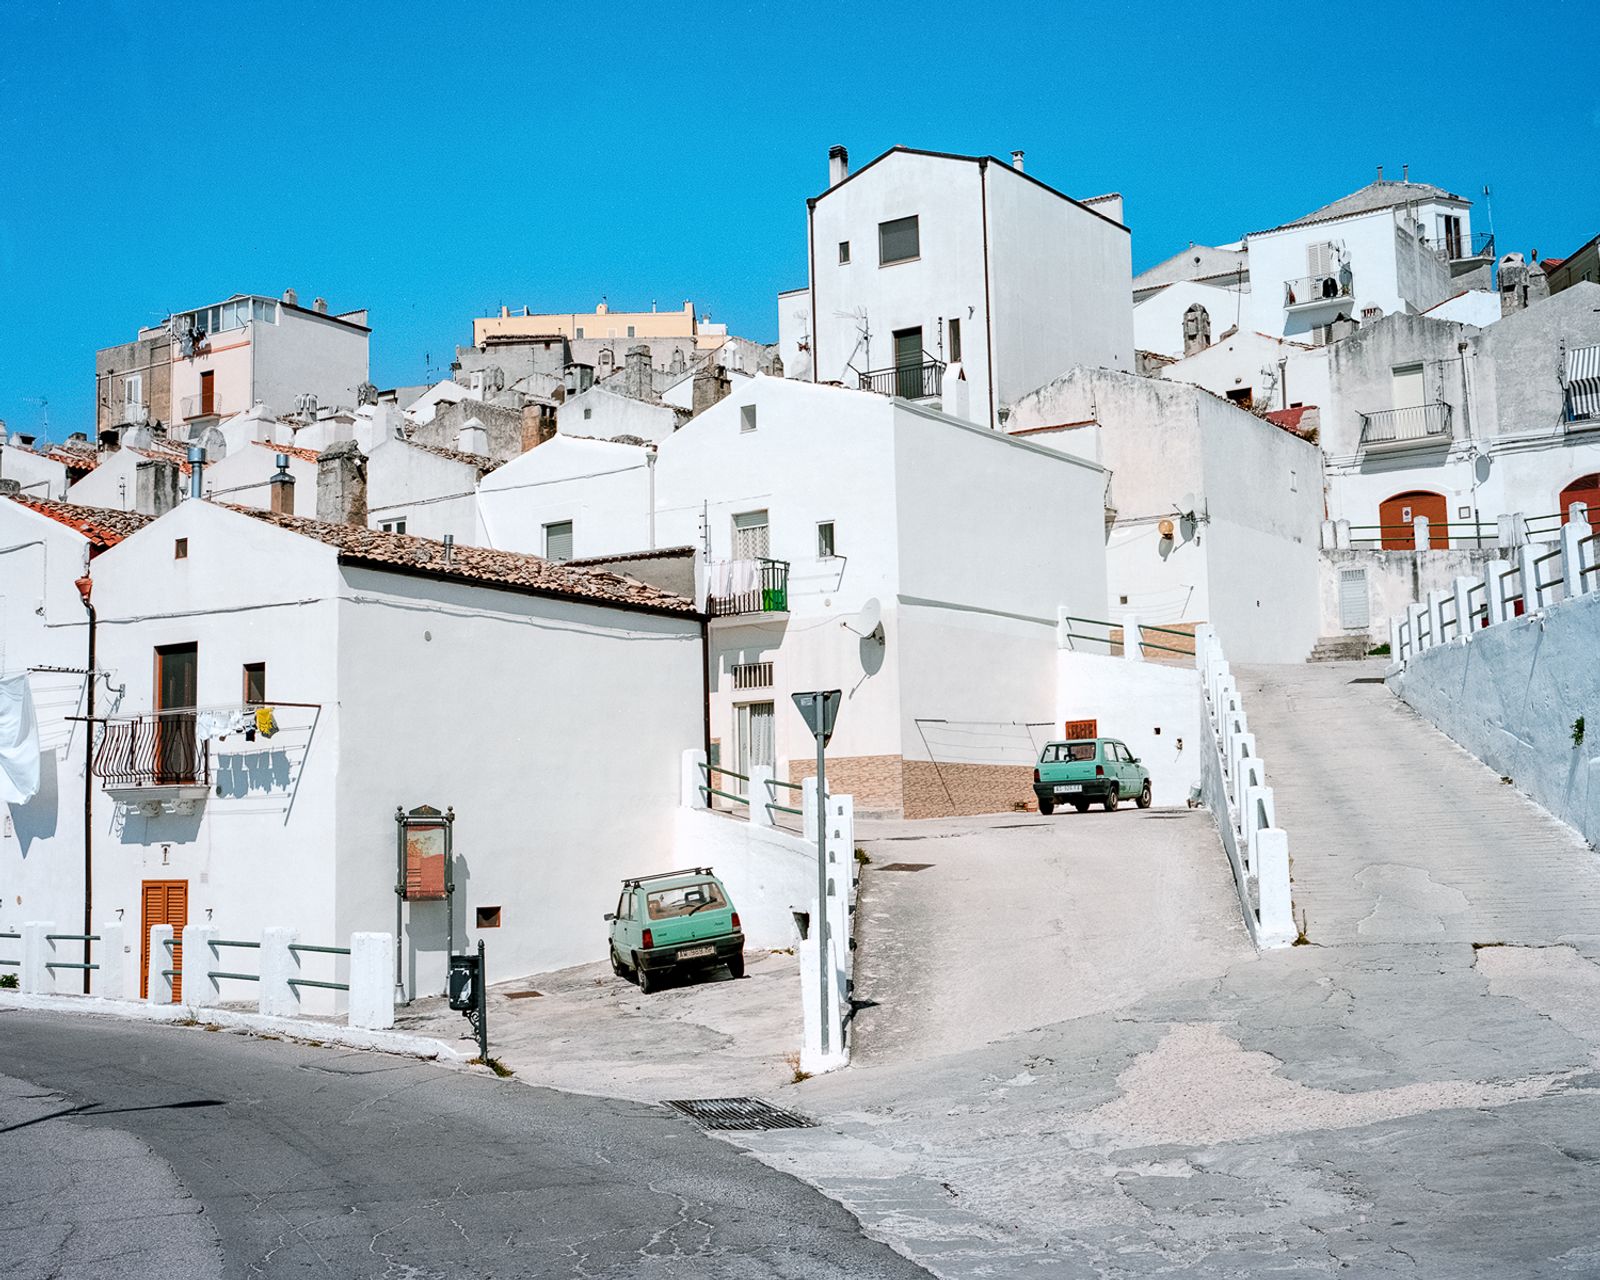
(1089, 771)
(675, 922)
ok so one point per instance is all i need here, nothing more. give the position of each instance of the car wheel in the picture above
(1082, 806)
(617, 967)
(1144, 796)
(648, 981)
(1047, 806)
(736, 965)
(1111, 799)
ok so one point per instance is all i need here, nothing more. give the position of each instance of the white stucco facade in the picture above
(1158, 319)
(421, 491)
(604, 413)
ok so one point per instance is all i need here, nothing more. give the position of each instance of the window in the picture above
(588, 412)
(1067, 753)
(580, 331)
(685, 900)
(180, 548)
(488, 917)
(558, 540)
(133, 389)
(844, 253)
(1452, 236)
(630, 331)
(751, 538)
(1406, 386)
(955, 340)
(1242, 396)
(208, 393)
(825, 549)
(754, 724)
(393, 526)
(747, 417)
(898, 241)
(255, 683)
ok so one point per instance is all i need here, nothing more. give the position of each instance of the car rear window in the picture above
(685, 900)
(1067, 752)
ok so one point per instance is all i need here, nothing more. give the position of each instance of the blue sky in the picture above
(431, 161)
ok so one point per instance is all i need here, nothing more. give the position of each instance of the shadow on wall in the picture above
(243, 773)
(428, 934)
(38, 819)
(163, 828)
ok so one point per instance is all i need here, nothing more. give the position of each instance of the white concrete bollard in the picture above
(1341, 534)
(371, 980)
(37, 977)
(1276, 927)
(110, 953)
(1436, 616)
(1263, 811)
(761, 795)
(812, 1057)
(692, 777)
(808, 809)
(276, 996)
(198, 959)
(1572, 535)
(1511, 531)
(1528, 575)
(1494, 589)
(1132, 639)
(160, 984)
(1420, 640)
(1242, 748)
(1419, 534)
(1466, 624)
(1395, 654)
(841, 845)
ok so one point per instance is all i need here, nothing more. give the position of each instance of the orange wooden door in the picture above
(1397, 514)
(1585, 489)
(165, 902)
(208, 392)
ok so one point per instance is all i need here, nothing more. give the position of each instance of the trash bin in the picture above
(465, 972)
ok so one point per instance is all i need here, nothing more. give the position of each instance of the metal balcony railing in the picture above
(1480, 244)
(162, 749)
(749, 586)
(907, 381)
(1314, 291)
(1419, 424)
(197, 407)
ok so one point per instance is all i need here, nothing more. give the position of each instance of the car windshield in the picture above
(684, 900)
(1065, 752)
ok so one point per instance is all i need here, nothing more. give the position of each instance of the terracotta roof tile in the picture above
(293, 450)
(507, 570)
(478, 460)
(76, 458)
(102, 526)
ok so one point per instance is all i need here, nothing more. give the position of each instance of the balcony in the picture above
(1310, 292)
(907, 381)
(1458, 248)
(748, 587)
(158, 761)
(201, 407)
(1417, 427)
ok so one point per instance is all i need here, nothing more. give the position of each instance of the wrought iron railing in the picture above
(907, 381)
(1417, 424)
(1329, 286)
(1480, 244)
(752, 586)
(162, 749)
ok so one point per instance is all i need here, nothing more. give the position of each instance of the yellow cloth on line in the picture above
(266, 722)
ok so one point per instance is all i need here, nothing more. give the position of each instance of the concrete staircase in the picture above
(1340, 649)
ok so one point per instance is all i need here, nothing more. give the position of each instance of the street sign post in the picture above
(820, 709)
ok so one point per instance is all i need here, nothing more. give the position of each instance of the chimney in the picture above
(23, 441)
(473, 437)
(538, 425)
(1380, 173)
(342, 484)
(155, 486)
(711, 383)
(1016, 161)
(78, 437)
(838, 165)
(282, 486)
(291, 297)
(1405, 173)
(197, 471)
(320, 306)
(449, 548)
(9, 487)
(637, 384)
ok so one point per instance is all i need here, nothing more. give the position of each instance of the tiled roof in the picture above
(102, 526)
(478, 460)
(482, 566)
(164, 451)
(1054, 426)
(1289, 418)
(84, 458)
(658, 553)
(1382, 194)
(293, 450)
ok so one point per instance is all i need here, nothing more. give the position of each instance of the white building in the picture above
(531, 698)
(1211, 514)
(960, 281)
(425, 490)
(813, 508)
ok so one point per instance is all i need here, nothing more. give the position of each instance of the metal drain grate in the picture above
(906, 866)
(738, 1113)
(523, 995)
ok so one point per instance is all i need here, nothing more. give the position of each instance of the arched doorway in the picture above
(1585, 489)
(1397, 514)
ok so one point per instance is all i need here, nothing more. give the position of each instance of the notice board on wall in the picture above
(425, 862)
(1082, 729)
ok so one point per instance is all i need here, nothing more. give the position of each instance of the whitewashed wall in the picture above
(40, 477)
(1153, 707)
(601, 413)
(603, 488)
(434, 495)
(1158, 320)
(244, 478)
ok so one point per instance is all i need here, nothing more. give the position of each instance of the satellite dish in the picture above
(1188, 504)
(870, 617)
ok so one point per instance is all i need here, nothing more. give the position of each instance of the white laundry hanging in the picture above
(19, 741)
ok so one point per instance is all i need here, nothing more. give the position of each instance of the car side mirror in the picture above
(610, 916)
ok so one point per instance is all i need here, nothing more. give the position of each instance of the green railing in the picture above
(225, 973)
(773, 806)
(1142, 628)
(707, 789)
(71, 937)
(297, 947)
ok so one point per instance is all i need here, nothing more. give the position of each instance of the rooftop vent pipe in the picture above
(197, 467)
(838, 165)
(1016, 161)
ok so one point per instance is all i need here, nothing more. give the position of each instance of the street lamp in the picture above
(820, 709)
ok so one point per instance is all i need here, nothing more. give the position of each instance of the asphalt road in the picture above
(135, 1150)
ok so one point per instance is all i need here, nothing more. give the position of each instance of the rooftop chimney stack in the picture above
(291, 297)
(282, 488)
(637, 383)
(473, 438)
(1016, 161)
(197, 471)
(449, 548)
(155, 486)
(1405, 173)
(838, 165)
(342, 484)
(320, 306)
(1380, 173)
(711, 383)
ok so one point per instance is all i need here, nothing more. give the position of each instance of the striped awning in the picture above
(1583, 382)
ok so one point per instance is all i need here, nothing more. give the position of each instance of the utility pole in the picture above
(820, 709)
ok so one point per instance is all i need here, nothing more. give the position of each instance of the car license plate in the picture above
(696, 953)
(1061, 791)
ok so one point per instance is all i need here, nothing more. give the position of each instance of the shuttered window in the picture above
(898, 241)
(558, 540)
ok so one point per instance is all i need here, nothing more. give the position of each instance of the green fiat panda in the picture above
(1089, 771)
(675, 922)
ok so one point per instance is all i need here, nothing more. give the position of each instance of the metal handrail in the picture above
(717, 768)
(325, 951)
(1142, 628)
(242, 977)
(63, 964)
(770, 596)
(227, 942)
(726, 795)
(919, 381)
(314, 982)
(11, 935)
(1327, 286)
(72, 937)
(1413, 422)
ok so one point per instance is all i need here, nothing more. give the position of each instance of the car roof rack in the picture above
(635, 881)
